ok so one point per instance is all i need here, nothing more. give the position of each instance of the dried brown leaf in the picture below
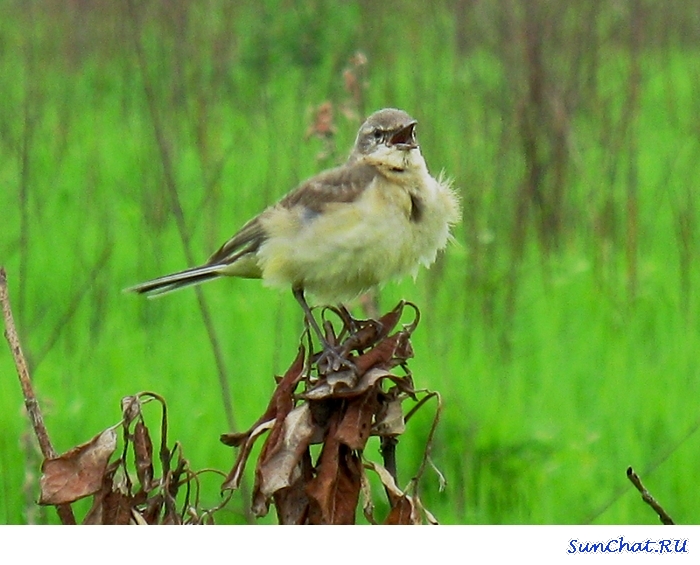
(335, 490)
(235, 439)
(341, 411)
(116, 509)
(320, 391)
(94, 515)
(430, 518)
(154, 507)
(292, 503)
(137, 519)
(281, 455)
(170, 488)
(111, 506)
(389, 320)
(131, 409)
(367, 381)
(386, 478)
(332, 386)
(390, 420)
(403, 508)
(282, 400)
(378, 356)
(79, 472)
(143, 450)
(340, 380)
(367, 504)
(371, 331)
(403, 512)
(404, 349)
(356, 425)
(233, 479)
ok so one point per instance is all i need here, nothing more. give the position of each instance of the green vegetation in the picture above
(561, 329)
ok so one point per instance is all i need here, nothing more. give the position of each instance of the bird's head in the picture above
(388, 139)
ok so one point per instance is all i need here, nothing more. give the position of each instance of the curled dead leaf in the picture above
(143, 450)
(292, 502)
(356, 424)
(390, 421)
(233, 479)
(276, 464)
(370, 378)
(335, 490)
(77, 473)
(403, 512)
(131, 408)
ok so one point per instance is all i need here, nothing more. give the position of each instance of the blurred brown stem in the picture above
(29, 109)
(632, 117)
(646, 497)
(65, 512)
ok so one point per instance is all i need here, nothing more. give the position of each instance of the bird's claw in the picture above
(331, 359)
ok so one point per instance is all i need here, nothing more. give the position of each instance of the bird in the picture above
(377, 217)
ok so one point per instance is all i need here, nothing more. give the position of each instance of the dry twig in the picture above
(65, 512)
(646, 497)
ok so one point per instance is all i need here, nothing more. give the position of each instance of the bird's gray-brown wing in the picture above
(341, 185)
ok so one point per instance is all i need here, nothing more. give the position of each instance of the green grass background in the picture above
(560, 329)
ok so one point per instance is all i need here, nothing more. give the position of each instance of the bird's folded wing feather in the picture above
(247, 240)
(341, 185)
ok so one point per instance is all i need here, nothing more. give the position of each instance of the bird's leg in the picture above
(329, 351)
(299, 295)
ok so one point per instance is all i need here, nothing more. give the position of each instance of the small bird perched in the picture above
(377, 217)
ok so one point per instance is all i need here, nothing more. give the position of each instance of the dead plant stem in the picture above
(65, 512)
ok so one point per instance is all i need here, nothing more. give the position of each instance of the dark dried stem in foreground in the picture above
(65, 512)
(650, 500)
(388, 450)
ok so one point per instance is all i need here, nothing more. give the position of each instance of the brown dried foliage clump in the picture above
(126, 490)
(336, 401)
(339, 406)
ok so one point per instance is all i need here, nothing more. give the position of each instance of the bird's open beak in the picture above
(405, 138)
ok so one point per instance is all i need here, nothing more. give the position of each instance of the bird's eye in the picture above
(377, 133)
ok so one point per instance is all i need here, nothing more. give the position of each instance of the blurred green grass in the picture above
(562, 356)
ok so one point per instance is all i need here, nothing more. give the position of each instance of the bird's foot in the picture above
(333, 359)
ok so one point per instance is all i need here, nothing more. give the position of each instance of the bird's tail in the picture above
(176, 281)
